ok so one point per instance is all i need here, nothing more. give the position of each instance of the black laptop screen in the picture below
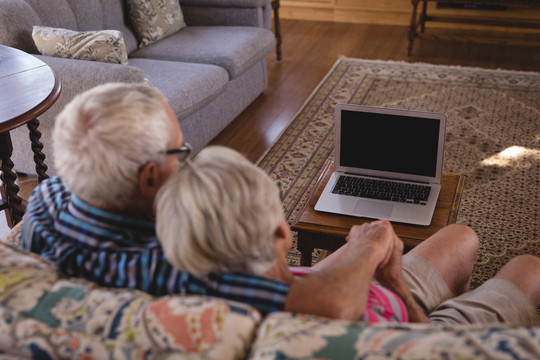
(393, 143)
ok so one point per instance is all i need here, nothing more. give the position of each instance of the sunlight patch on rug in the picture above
(511, 157)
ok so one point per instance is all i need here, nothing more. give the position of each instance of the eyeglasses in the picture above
(181, 153)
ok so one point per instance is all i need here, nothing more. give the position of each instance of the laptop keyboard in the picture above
(382, 190)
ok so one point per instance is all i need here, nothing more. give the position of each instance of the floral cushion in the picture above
(290, 336)
(104, 45)
(45, 316)
(155, 19)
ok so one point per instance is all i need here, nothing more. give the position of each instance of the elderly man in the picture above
(114, 146)
(221, 214)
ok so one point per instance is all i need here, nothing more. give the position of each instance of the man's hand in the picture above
(390, 275)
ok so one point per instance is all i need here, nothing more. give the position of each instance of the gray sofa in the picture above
(210, 71)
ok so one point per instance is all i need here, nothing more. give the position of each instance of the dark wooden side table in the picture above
(28, 87)
(418, 22)
(328, 231)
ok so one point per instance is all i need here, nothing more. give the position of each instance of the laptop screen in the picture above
(390, 143)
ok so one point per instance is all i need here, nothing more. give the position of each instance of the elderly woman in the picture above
(222, 214)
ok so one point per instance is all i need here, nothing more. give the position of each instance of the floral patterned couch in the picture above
(44, 315)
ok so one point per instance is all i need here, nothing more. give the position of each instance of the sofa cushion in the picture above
(103, 45)
(196, 85)
(45, 316)
(115, 16)
(18, 16)
(256, 13)
(155, 19)
(54, 13)
(105, 14)
(82, 11)
(234, 48)
(291, 336)
(21, 15)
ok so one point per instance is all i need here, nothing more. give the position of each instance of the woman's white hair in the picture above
(105, 135)
(219, 213)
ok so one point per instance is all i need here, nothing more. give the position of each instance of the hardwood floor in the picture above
(310, 48)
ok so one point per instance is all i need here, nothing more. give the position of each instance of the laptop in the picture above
(387, 165)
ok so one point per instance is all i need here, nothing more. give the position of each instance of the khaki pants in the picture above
(495, 301)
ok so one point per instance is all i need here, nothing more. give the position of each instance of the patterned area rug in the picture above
(492, 137)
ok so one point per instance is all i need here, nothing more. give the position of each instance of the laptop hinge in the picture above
(389, 178)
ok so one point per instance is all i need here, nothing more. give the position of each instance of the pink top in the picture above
(383, 305)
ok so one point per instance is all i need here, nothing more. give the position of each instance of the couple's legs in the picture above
(452, 252)
(440, 267)
(524, 272)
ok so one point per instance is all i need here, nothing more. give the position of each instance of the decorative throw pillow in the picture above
(104, 45)
(155, 19)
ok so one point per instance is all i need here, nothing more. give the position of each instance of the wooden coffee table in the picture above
(28, 87)
(328, 231)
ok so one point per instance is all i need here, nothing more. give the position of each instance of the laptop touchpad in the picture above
(373, 209)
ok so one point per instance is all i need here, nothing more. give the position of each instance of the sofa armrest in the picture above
(256, 13)
(80, 75)
(77, 76)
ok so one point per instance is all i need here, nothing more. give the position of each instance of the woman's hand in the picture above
(378, 237)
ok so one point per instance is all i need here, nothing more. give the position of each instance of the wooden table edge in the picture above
(456, 201)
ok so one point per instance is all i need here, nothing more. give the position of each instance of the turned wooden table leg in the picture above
(15, 208)
(423, 16)
(5, 206)
(37, 147)
(304, 244)
(277, 30)
(413, 27)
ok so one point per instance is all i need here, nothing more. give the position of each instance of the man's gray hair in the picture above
(105, 135)
(219, 214)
